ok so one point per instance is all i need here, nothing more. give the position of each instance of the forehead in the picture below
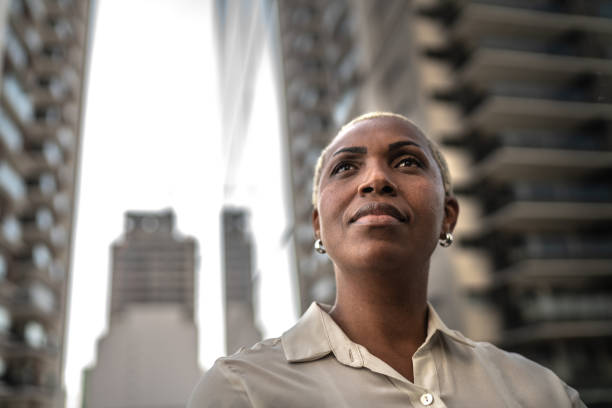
(378, 131)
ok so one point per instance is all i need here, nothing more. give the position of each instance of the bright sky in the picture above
(151, 141)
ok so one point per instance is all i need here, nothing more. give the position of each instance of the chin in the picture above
(381, 252)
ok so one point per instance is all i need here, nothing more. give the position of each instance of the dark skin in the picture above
(381, 256)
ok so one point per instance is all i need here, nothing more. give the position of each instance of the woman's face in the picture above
(381, 196)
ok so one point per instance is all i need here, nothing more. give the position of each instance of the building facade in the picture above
(519, 94)
(238, 274)
(43, 52)
(149, 357)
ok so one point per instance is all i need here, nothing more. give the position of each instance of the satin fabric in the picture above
(314, 364)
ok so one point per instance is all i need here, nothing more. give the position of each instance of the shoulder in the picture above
(527, 378)
(227, 382)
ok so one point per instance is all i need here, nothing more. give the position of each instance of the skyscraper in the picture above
(240, 328)
(149, 355)
(44, 54)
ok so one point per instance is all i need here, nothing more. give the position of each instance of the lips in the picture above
(375, 208)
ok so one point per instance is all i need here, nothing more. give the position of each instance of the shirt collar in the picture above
(316, 335)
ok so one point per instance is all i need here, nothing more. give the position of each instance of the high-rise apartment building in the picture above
(149, 355)
(44, 52)
(238, 251)
(526, 87)
(520, 95)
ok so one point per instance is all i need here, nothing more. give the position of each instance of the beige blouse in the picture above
(315, 364)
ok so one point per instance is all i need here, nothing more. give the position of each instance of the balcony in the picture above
(535, 272)
(535, 216)
(550, 331)
(505, 112)
(479, 20)
(488, 65)
(527, 164)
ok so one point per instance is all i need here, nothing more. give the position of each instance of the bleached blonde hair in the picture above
(433, 148)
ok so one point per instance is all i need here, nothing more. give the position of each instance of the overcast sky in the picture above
(151, 141)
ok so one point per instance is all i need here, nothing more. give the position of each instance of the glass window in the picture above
(41, 256)
(34, 335)
(11, 136)
(15, 50)
(42, 297)
(44, 218)
(5, 320)
(65, 136)
(343, 107)
(18, 99)
(52, 153)
(32, 39)
(37, 8)
(11, 182)
(2, 268)
(11, 229)
(48, 184)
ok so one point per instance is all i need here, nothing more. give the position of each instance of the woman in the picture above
(382, 202)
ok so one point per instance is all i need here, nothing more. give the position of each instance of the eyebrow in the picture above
(355, 149)
(364, 150)
(397, 145)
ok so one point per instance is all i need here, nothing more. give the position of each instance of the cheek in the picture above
(330, 212)
(432, 202)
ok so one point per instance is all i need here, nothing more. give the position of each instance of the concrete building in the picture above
(149, 357)
(520, 95)
(44, 47)
(238, 263)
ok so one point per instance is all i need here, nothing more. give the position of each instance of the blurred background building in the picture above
(238, 264)
(519, 93)
(44, 53)
(149, 357)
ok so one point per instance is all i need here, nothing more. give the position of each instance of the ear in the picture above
(451, 213)
(315, 224)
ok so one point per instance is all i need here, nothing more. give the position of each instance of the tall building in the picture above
(520, 95)
(527, 91)
(240, 328)
(43, 52)
(149, 357)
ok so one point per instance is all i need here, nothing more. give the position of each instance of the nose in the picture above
(377, 182)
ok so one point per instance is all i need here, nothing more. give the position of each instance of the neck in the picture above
(384, 311)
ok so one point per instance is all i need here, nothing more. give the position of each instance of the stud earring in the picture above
(318, 246)
(447, 240)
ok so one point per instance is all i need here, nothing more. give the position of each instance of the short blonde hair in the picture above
(433, 148)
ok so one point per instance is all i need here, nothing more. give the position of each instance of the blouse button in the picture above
(427, 399)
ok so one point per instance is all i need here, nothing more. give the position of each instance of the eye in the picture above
(342, 167)
(409, 162)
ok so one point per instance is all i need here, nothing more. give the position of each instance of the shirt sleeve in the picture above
(220, 387)
(575, 400)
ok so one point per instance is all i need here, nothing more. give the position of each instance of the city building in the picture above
(44, 50)
(237, 248)
(519, 93)
(149, 357)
